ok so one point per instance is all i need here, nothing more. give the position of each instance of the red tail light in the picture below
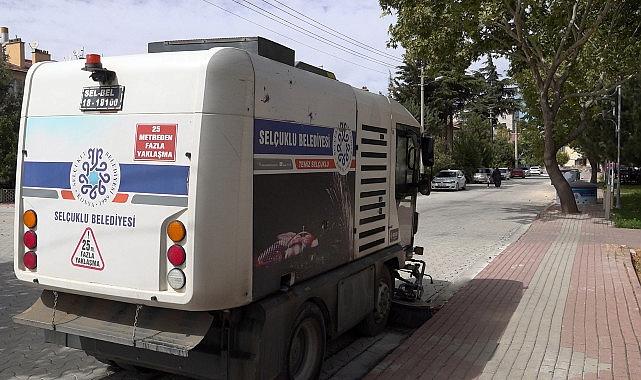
(30, 239)
(176, 255)
(30, 260)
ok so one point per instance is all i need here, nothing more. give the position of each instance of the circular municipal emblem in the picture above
(95, 177)
(343, 148)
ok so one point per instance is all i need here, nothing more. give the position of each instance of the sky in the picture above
(120, 27)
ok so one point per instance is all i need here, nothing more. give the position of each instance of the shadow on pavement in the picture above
(16, 296)
(23, 352)
(462, 337)
(522, 214)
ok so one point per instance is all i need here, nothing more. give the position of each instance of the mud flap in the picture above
(164, 330)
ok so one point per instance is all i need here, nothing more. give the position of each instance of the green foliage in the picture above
(9, 127)
(495, 96)
(442, 158)
(631, 123)
(405, 86)
(530, 143)
(564, 54)
(472, 148)
(599, 142)
(503, 154)
(467, 154)
(452, 93)
(562, 157)
(630, 214)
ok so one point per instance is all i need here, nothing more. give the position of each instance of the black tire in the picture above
(424, 190)
(376, 321)
(307, 342)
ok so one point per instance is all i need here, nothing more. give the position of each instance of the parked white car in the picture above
(505, 173)
(449, 179)
(482, 175)
(535, 170)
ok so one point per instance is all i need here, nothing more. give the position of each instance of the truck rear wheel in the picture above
(306, 344)
(376, 321)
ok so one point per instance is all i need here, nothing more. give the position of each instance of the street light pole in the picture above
(618, 204)
(491, 126)
(516, 137)
(422, 100)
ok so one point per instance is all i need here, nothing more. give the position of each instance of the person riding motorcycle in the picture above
(496, 177)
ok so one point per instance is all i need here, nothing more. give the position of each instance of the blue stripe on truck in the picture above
(135, 178)
(154, 179)
(53, 175)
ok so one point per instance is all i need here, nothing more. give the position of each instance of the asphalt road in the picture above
(461, 233)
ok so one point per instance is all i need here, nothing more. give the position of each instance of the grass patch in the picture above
(630, 214)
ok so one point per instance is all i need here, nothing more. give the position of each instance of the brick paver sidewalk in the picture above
(563, 302)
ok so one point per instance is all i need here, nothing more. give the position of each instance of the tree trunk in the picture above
(594, 170)
(449, 133)
(563, 189)
(562, 186)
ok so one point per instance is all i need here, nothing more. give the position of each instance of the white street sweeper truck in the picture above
(212, 208)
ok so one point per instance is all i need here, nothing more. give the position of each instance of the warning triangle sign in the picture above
(87, 254)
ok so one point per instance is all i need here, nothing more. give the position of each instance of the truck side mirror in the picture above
(427, 150)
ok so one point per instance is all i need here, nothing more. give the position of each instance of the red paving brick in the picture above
(563, 300)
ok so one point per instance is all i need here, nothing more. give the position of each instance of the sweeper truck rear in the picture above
(212, 208)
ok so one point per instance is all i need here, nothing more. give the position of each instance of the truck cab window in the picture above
(407, 165)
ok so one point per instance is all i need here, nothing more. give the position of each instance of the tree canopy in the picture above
(9, 127)
(566, 51)
(471, 99)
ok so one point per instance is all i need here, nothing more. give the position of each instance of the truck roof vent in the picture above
(316, 70)
(258, 45)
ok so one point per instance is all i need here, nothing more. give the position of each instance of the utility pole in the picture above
(422, 100)
(618, 204)
(516, 137)
(421, 169)
(491, 127)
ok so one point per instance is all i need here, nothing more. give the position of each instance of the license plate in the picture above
(102, 98)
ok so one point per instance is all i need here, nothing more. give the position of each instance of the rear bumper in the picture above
(199, 364)
(181, 342)
(173, 332)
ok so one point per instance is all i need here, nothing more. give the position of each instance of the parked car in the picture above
(482, 175)
(449, 179)
(535, 170)
(518, 172)
(505, 173)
